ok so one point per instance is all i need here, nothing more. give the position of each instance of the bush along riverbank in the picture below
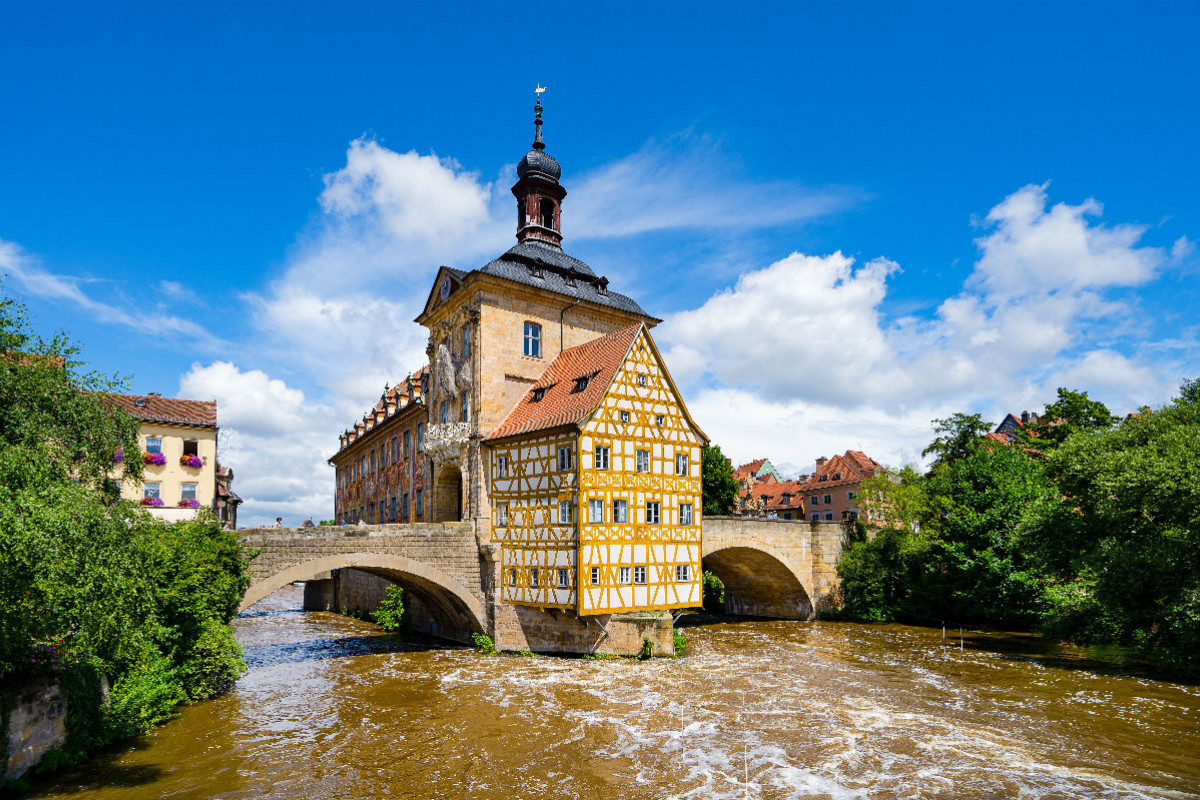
(1085, 528)
(127, 613)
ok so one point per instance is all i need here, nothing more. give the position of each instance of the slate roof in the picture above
(561, 404)
(149, 408)
(545, 266)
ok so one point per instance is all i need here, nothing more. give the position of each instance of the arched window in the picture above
(546, 210)
(533, 339)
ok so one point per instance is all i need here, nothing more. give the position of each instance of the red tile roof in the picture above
(749, 470)
(150, 408)
(772, 493)
(854, 466)
(561, 403)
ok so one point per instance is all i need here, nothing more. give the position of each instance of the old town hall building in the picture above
(548, 418)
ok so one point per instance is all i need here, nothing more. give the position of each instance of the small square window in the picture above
(620, 511)
(191, 447)
(595, 576)
(624, 416)
(681, 573)
(653, 513)
(639, 574)
(813, 500)
(827, 499)
(659, 420)
(828, 516)
(625, 574)
(562, 579)
(816, 516)
(153, 444)
(643, 460)
(601, 461)
(150, 490)
(188, 491)
(641, 379)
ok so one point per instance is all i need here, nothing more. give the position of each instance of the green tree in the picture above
(718, 487)
(90, 584)
(1071, 413)
(958, 436)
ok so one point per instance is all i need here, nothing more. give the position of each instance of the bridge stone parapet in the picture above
(774, 567)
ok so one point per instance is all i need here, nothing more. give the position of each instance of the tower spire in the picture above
(538, 144)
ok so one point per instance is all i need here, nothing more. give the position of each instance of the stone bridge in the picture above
(770, 568)
(773, 567)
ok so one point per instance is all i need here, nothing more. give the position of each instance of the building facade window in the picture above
(685, 513)
(501, 466)
(191, 447)
(829, 516)
(681, 464)
(566, 512)
(624, 416)
(464, 410)
(639, 574)
(150, 490)
(501, 515)
(444, 412)
(625, 574)
(660, 420)
(420, 503)
(533, 340)
(188, 491)
(601, 461)
(153, 444)
(653, 512)
(420, 437)
(392, 516)
(813, 500)
(827, 499)
(851, 496)
(643, 460)
(404, 505)
(466, 340)
(595, 511)
(641, 379)
(681, 572)
(566, 459)
(620, 511)
(407, 439)
(533, 578)
(562, 579)
(512, 577)
(595, 576)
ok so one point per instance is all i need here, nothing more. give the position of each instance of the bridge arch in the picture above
(759, 580)
(449, 601)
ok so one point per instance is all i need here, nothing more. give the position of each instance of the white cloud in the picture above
(796, 359)
(276, 441)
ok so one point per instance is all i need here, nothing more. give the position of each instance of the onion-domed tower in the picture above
(538, 192)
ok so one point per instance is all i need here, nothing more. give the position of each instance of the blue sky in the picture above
(853, 218)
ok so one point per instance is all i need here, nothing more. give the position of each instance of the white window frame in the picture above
(639, 576)
(595, 576)
(183, 491)
(601, 459)
(829, 516)
(642, 460)
(533, 340)
(533, 577)
(681, 573)
(681, 464)
(827, 499)
(596, 511)
(653, 512)
(685, 514)
(566, 458)
(563, 580)
(512, 576)
(501, 466)
(625, 575)
(501, 515)
(620, 512)
(152, 489)
(566, 512)
(153, 444)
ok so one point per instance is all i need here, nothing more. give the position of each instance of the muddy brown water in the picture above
(331, 708)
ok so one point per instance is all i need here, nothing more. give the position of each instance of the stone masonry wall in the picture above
(38, 721)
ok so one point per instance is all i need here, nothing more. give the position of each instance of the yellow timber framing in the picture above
(532, 487)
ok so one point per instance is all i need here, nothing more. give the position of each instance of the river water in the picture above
(331, 708)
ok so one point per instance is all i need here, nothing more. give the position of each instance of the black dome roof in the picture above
(540, 162)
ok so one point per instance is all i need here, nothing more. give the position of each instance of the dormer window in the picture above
(538, 394)
(602, 286)
(140, 403)
(546, 211)
(823, 478)
(581, 383)
(837, 476)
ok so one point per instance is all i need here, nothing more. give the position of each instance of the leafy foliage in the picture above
(1094, 535)
(712, 590)
(118, 593)
(718, 487)
(483, 643)
(647, 651)
(390, 613)
(680, 643)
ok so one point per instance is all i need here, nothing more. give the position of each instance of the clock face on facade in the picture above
(444, 290)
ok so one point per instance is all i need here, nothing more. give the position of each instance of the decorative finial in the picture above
(538, 144)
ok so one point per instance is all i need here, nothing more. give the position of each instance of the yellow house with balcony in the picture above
(178, 440)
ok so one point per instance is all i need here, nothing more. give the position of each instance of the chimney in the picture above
(1024, 417)
(153, 394)
(821, 461)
